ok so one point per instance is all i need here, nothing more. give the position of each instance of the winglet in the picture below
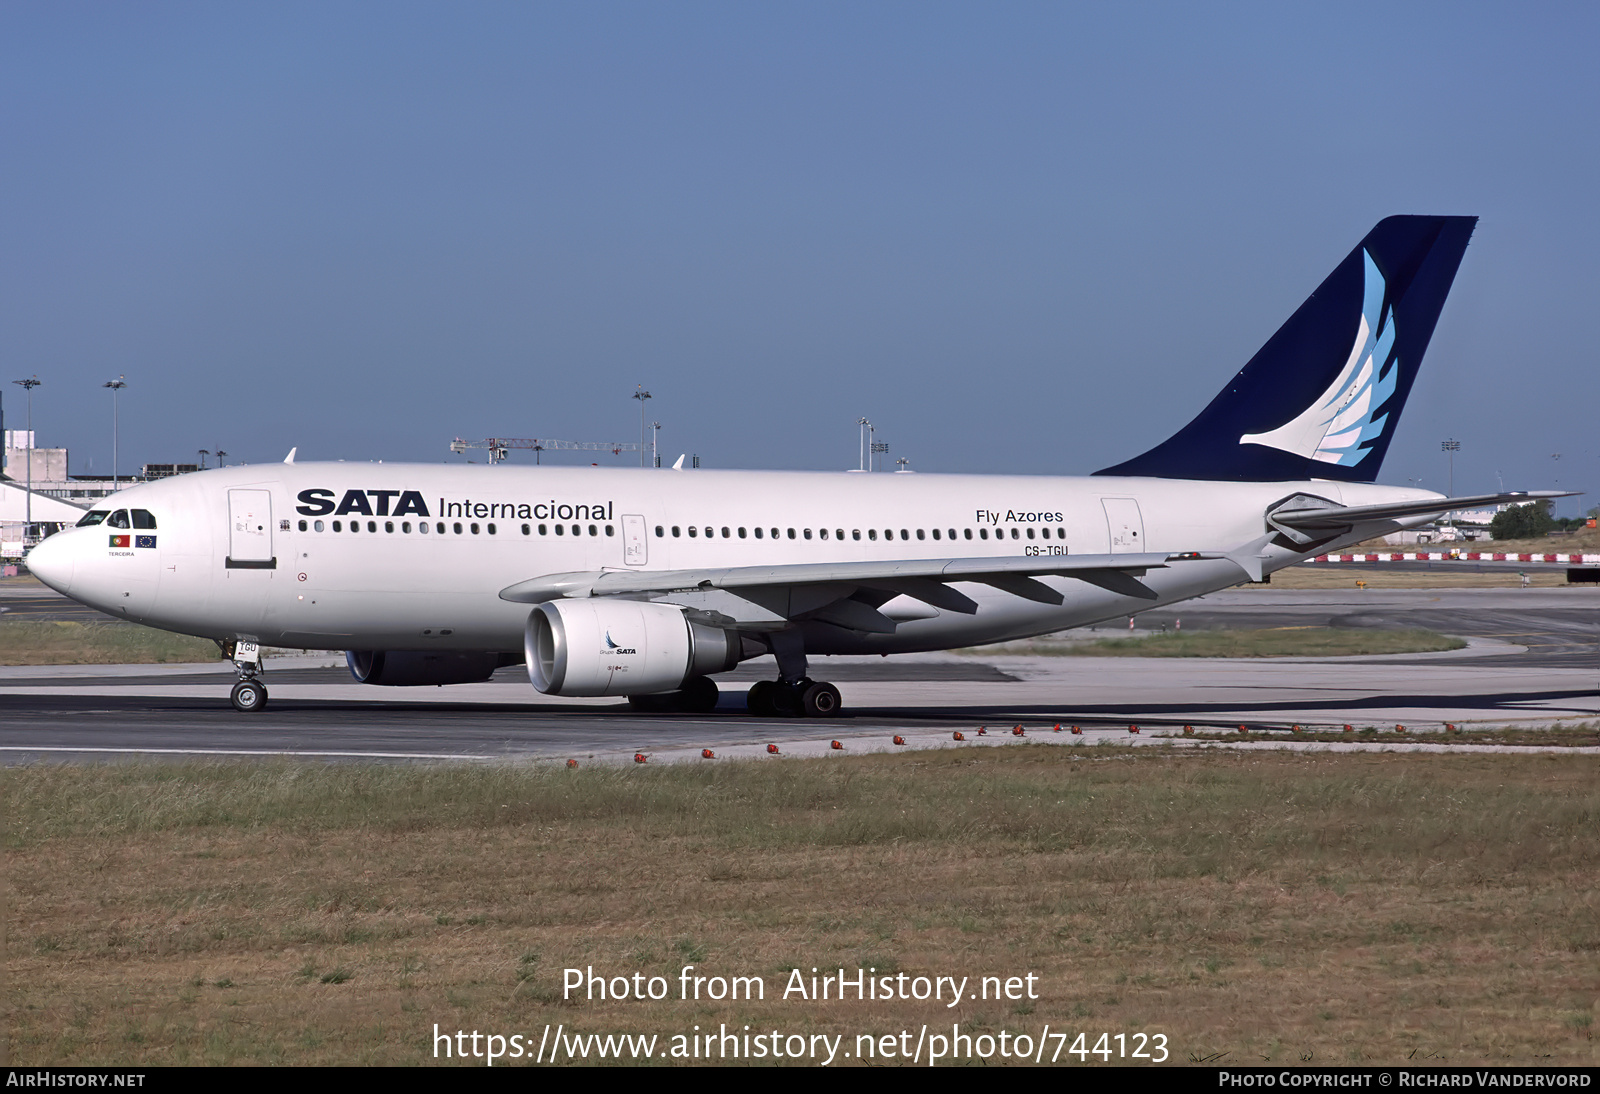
(290, 457)
(679, 465)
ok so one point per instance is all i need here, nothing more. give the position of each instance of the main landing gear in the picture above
(698, 695)
(249, 694)
(793, 693)
(811, 698)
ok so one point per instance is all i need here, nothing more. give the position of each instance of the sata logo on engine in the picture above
(612, 647)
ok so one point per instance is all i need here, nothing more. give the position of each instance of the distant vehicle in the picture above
(648, 583)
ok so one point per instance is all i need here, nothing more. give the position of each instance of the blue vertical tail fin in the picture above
(1322, 398)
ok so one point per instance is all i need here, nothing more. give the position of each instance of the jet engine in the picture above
(622, 647)
(415, 668)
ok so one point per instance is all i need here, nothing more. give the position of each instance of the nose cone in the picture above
(51, 562)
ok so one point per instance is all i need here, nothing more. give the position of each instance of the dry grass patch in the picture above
(24, 642)
(1267, 642)
(1341, 908)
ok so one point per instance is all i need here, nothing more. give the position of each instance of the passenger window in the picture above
(741, 533)
(302, 526)
(758, 533)
(936, 533)
(119, 519)
(872, 533)
(1014, 534)
(660, 531)
(774, 533)
(855, 533)
(144, 520)
(1061, 533)
(355, 526)
(808, 533)
(474, 529)
(405, 526)
(338, 526)
(1030, 533)
(904, 534)
(693, 531)
(388, 526)
(823, 533)
(317, 524)
(791, 533)
(526, 530)
(726, 534)
(491, 529)
(593, 531)
(920, 535)
(967, 532)
(983, 533)
(372, 526)
(90, 519)
(561, 529)
(439, 527)
(839, 532)
(544, 530)
(610, 530)
(952, 534)
(456, 527)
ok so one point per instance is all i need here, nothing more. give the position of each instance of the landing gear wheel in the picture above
(698, 695)
(785, 698)
(759, 699)
(820, 700)
(248, 696)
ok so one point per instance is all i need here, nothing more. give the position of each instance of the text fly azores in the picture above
(676, 576)
(319, 502)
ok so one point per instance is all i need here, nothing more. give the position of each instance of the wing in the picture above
(848, 594)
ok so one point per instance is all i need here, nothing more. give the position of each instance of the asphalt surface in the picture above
(1535, 660)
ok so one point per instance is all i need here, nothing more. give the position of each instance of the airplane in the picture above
(647, 583)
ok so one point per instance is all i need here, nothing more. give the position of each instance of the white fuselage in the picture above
(335, 555)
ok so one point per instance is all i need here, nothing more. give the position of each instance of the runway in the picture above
(1534, 661)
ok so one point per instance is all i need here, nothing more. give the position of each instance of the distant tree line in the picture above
(1531, 521)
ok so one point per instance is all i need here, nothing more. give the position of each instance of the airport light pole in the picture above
(641, 394)
(221, 455)
(866, 433)
(203, 453)
(879, 448)
(655, 444)
(1451, 447)
(115, 385)
(28, 385)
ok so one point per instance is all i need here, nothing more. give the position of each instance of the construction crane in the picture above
(499, 446)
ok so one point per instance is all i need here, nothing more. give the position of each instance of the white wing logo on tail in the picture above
(1334, 427)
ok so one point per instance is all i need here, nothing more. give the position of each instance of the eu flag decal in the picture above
(120, 541)
(144, 541)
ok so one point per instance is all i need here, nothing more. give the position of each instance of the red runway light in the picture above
(772, 749)
(835, 744)
(638, 757)
(958, 735)
(899, 740)
(572, 763)
(1077, 730)
(1016, 731)
(707, 754)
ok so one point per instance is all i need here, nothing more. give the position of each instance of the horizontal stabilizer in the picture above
(1343, 516)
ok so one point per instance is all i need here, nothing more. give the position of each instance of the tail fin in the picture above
(1321, 399)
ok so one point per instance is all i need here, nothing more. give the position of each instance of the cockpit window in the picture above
(119, 519)
(93, 517)
(144, 519)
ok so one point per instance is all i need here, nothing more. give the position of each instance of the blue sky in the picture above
(1018, 237)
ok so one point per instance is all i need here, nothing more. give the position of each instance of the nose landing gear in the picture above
(249, 695)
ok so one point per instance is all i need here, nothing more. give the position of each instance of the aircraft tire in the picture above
(698, 695)
(248, 697)
(759, 699)
(785, 698)
(821, 700)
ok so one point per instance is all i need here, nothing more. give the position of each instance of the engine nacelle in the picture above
(416, 668)
(621, 647)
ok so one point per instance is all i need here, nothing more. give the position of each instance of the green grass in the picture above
(1272, 642)
(23, 642)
